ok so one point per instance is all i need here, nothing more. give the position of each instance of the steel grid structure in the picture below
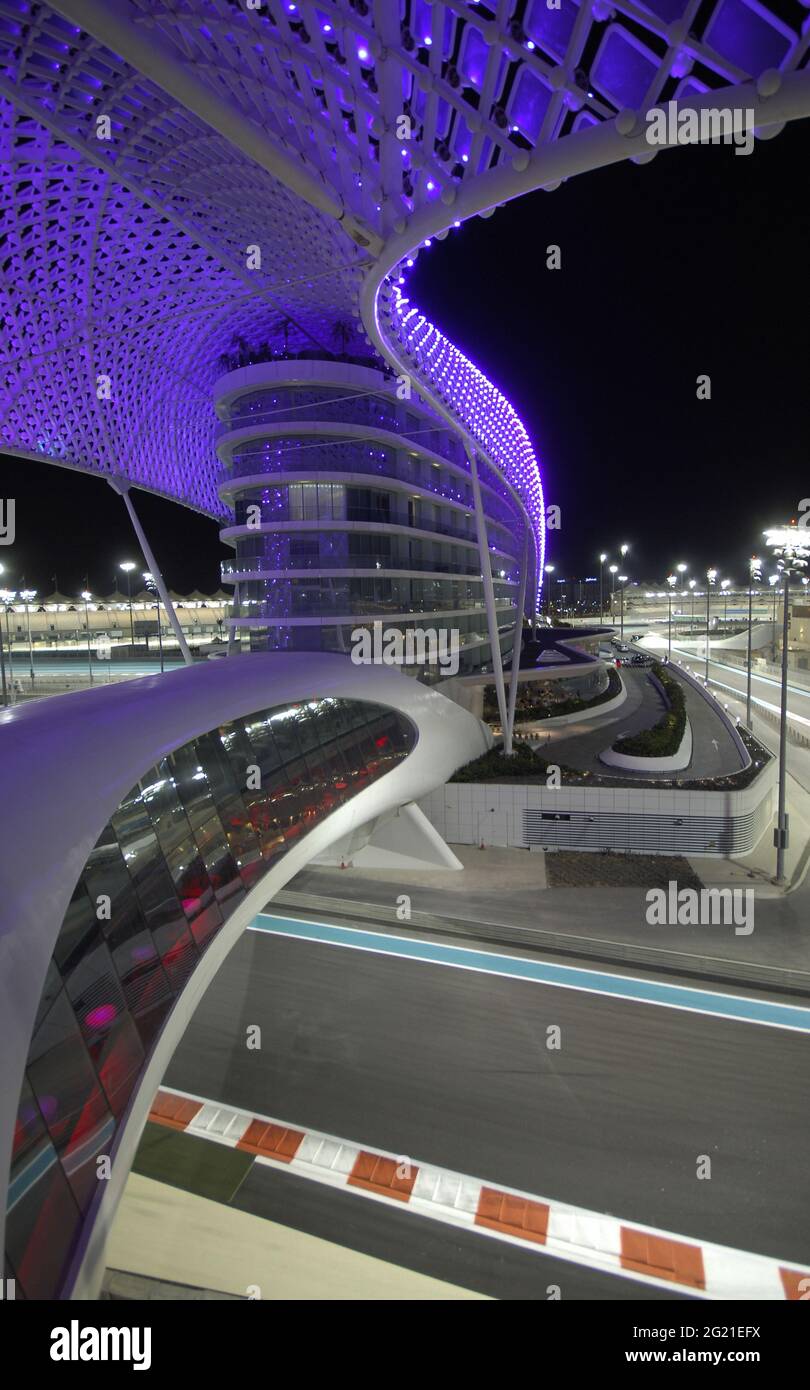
(149, 145)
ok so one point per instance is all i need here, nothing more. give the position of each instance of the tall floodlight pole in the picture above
(791, 546)
(549, 569)
(149, 581)
(614, 570)
(128, 566)
(2, 650)
(622, 581)
(7, 597)
(602, 559)
(692, 586)
(725, 585)
(86, 595)
(773, 580)
(672, 580)
(623, 549)
(28, 596)
(681, 570)
(754, 572)
(711, 578)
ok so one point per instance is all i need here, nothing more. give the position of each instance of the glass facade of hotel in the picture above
(176, 858)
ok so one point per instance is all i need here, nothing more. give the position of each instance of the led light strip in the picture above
(543, 1225)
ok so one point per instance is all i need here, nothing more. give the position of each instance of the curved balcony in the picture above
(174, 807)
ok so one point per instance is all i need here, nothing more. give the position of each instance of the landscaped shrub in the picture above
(664, 738)
(495, 766)
(524, 764)
(525, 714)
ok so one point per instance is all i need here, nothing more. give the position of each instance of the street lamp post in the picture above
(681, 570)
(149, 581)
(725, 584)
(753, 573)
(692, 585)
(672, 580)
(549, 570)
(86, 595)
(614, 569)
(602, 559)
(27, 596)
(789, 544)
(7, 596)
(2, 651)
(622, 581)
(711, 577)
(128, 566)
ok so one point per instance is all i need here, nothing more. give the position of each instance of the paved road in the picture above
(451, 1067)
(714, 752)
(763, 688)
(579, 744)
(781, 936)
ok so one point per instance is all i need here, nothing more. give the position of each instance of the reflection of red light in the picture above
(101, 1016)
(381, 741)
(341, 786)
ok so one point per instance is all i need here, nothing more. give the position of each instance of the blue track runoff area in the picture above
(737, 1008)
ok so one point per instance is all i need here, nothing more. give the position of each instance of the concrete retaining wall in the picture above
(666, 821)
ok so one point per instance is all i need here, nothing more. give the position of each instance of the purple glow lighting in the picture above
(101, 1016)
(49, 1106)
(476, 403)
(155, 258)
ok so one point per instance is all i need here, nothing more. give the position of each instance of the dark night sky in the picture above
(696, 263)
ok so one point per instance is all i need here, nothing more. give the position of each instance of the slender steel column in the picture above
(3, 664)
(121, 486)
(708, 598)
(518, 639)
(10, 660)
(489, 597)
(748, 680)
(780, 834)
(235, 613)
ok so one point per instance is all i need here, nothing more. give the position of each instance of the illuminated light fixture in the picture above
(476, 403)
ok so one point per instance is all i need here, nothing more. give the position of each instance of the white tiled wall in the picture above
(467, 812)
